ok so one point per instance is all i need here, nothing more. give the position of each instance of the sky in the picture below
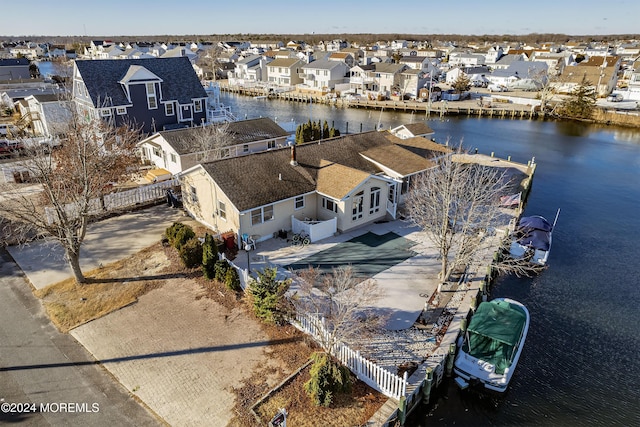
(202, 17)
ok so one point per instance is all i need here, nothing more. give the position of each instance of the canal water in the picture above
(581, 361)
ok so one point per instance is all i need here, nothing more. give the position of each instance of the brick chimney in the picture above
(294, 159)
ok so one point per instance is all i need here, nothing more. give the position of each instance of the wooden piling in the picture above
(426, 389)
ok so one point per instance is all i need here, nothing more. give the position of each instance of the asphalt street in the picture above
(48, 378)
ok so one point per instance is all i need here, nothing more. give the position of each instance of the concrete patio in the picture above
(406, 287)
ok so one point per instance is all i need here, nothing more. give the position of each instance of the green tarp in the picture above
(494, 332)
(368, 254)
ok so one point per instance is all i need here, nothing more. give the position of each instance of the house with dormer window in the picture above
(149, 94)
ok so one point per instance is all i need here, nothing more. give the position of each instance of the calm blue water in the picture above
(581, 362)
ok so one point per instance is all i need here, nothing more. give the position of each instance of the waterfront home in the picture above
(179, 149)
(387, 76)
(361, 79)
(323, 75)
(149, 94)
(336, 185)
(519, 70)
(411, 81)
(250, 70)
(601, 72)
(453, 74)
(284, 72)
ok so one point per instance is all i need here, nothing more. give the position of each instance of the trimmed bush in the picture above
(178, 234)
(328, 378)
(191, 253)
(209, 257)
(220, 270)
(232, 280)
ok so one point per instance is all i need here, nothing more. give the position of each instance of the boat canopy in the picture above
(534, 223)
(494, 333)
(535, 232)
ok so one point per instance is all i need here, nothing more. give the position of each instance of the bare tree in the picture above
(69, 181)
(337, 303)
(457, 204)
(208, 142)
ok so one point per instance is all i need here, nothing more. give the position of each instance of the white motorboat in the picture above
(491, 346)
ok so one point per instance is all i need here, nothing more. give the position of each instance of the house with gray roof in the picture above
(179, 149)
(521, 74)
(323, 75)
(14, 69)
(387, 76)
(345, 182)
(149, 94)
(251, 69)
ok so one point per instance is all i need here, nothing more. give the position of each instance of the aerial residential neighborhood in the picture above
(207, 260)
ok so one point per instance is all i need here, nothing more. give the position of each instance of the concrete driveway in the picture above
(107, 241)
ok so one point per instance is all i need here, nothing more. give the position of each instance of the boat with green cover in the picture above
(491, 346)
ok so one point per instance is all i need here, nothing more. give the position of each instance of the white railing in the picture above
(116, 201)
(377, 377)
(316, 230)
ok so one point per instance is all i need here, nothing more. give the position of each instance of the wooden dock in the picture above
(501, 110)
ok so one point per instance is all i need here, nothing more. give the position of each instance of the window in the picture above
(152, 101)
(222, 210)
(121, 110)
(173, 158)
(197, 105)
(260, 215)
(329, 205)
(374, 205)
(268, 213)
(271, 144)
(358, 202)
(245, 148)
(299, 202)
(105, 112)
(157, 152)
(192, 194)
(168, 109)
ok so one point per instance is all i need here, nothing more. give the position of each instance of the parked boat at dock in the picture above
(532, 239)
(492, 344)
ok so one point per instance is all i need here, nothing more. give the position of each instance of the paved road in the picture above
(40, 366)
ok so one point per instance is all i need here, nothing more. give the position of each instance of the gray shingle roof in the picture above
(241, 132)
(101, 78)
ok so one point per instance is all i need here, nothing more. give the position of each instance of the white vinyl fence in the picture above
(377, 377)
(117, 201)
